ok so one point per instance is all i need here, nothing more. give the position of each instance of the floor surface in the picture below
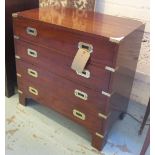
(37, 130)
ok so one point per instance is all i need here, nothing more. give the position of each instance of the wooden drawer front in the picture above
(65, 41)
(63, 88)
(59, 64)
(84, 115)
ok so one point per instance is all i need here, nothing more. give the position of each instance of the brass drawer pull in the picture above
(80, 94)
(33, 90)
(85, 73)
(79, 114)
(32, 72)
(32, 53)
(31, 31)
(86, 46)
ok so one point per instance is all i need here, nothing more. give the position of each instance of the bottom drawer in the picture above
(86, 116)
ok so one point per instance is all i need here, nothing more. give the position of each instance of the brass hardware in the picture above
(17, 56)
(16, 37)
(111, 69)
(106, 94)
(20, 92)
(19, 75)
(86, 46)
(80, 94)
(31, 31)
(33, 90)
(99, 135)
(103, 116)
(79, 114)
(85, 73)
(32, 72)
(14, 15)
(32, 53)
(116, 39)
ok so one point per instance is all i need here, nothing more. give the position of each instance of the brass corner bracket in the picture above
(116, 39)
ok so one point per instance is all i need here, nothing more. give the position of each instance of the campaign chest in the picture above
(79, 63)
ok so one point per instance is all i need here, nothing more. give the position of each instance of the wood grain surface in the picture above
(58, 32)
(82, 21)
(53, 61)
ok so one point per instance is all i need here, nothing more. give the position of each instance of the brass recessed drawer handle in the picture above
(85, 73)
(80, 94)
(33, 91)
(31, 31)
(32, 53)
(86, 46)
(32, 72)
(79, 114)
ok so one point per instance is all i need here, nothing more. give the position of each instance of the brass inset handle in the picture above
(32, 53)
(33, 91)
(86, 46)
(32, 72)
(79, 114)
(85, 73)
(80, 94)
(31, 31)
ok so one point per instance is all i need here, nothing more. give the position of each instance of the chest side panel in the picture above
(126, 63)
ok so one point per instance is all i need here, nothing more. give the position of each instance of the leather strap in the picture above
(80, 60)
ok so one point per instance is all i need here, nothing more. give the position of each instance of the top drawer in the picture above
(65, 41)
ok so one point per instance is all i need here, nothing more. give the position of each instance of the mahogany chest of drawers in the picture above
(81, 64)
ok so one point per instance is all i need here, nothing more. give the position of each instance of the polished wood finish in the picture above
(49, 58)
(10, 71)
(86, 22)
(112, 64)
(61, 104)
(50, 37)
(58, 86)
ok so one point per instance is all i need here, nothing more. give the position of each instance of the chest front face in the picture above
(46, 54)
(47, 46)
(66, 65)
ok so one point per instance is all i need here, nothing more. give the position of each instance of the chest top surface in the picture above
(83, 21)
